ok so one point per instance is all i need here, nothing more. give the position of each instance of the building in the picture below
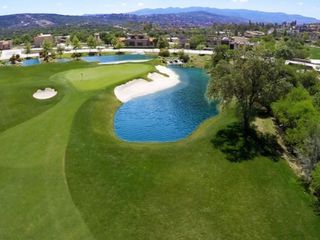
(62, 39)
(97, 37)
(252, 34)
(41, 38)
(240, 42)
(6, 44)
(139, 41)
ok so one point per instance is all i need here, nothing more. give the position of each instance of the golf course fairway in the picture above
(65, 175)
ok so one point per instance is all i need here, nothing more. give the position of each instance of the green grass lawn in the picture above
(98, 78)
(65, 175)
(314, 53)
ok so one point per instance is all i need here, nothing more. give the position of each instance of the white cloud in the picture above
(240, 1)
(140, 4)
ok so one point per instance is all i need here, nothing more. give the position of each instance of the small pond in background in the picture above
(30, 62)
(167, 116)
(116, 58)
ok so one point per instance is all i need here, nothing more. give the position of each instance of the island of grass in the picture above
(65, 175)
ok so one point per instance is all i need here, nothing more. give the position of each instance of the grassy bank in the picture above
(314, 53)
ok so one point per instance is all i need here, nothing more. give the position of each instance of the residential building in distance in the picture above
(41, 38)
(139, 41)
(62, 39)
(97, 37)
(252, 34)
(6, 44)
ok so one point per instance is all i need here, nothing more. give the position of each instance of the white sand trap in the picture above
(141, 87)
(45, 94)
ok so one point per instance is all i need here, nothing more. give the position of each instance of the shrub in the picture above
(164, 53)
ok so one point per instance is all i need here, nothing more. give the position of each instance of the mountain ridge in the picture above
(249, 15)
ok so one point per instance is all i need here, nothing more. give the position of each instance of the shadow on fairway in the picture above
(231, 141)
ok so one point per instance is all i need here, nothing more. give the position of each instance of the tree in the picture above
(162, 43)
(284, 52)
(164, 53)
(28, 48)
(310, 81)
(183, 57)
(13, 59)
(247, 79)
(47, 49)
(26, 38)
(92, 42)
(201, 47)
(117, 43)
(60, 50)
(221, 52)
(196, 40)
(300, 119)
(76, 42)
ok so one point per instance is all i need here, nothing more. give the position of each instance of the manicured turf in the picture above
(64, 174)
(99, 78)
(34, 196)
(314, 53)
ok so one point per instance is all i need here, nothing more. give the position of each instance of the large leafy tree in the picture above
(251, 80)
(221, 52)
(92, 42)
(76, 42)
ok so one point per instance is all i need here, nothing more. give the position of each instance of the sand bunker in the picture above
(45, 94)
(141, 87)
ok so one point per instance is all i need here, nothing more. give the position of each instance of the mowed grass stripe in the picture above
(34, 195)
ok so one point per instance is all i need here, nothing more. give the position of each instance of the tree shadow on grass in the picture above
(231, 142)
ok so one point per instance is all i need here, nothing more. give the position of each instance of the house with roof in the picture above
(41, 38)
(6, 44)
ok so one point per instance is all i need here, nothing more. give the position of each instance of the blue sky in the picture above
(73, 7)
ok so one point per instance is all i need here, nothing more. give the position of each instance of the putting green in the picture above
(101, 77)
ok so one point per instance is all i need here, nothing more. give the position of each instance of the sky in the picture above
(309, 8)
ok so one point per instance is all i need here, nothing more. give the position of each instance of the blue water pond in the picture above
(30, 62)
(116, 58)
(167, 116)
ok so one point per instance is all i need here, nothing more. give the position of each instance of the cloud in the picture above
(240, 1)
(140, 4)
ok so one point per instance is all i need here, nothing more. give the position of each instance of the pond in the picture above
(30, 62)
(167, 116)
(117, 58)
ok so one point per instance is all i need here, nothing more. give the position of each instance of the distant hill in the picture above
(255, 16)
(199, 18)
(182, 17)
